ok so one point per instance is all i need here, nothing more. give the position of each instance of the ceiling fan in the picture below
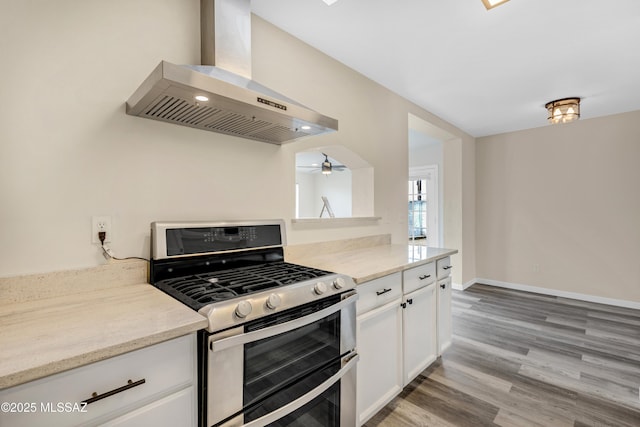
(326, 167)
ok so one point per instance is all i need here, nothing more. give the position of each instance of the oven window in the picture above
(278, 362)
(323, 411)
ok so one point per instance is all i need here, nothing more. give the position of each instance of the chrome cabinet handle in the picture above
(424, 277)
(95, 396)
(382, 292)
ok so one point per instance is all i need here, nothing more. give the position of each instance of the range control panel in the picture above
(178, 239)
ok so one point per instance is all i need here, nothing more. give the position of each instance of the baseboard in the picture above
(556, 293)
(459, 287)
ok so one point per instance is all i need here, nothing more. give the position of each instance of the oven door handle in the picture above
(260, 334)
(274, 416)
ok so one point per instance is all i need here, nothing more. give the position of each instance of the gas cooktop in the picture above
(198, 290)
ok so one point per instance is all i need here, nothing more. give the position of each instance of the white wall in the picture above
(336, 187)
(68, 150)
(424, 150)
(558, 207)
(306, 195)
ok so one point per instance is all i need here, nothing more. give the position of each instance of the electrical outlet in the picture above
(98, 224)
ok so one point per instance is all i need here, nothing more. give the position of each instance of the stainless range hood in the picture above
(236, 104)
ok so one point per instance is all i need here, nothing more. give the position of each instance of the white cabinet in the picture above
(379, 333)
(419, 319)
(401, 318)
(419, 331)
(418, 277)
(444, 304)
(148, 382)
(444, 314)
(443, 268)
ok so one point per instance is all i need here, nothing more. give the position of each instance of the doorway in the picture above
(424, 205)
(426, 190)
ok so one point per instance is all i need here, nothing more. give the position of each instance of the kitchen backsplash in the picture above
(60, 283)
(293, 252)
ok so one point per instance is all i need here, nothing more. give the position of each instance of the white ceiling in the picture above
(486, 72)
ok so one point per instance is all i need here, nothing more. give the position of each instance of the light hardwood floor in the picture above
(524, 359)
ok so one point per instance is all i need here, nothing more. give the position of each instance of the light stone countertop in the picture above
(44, 336)
(365, 263)
(108, 310)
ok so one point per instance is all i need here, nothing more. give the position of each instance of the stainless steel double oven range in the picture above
(280, 346)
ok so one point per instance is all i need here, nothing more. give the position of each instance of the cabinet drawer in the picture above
(418, 277)
(378, 292)
(174, 410)
(163, 367)
(444, 267)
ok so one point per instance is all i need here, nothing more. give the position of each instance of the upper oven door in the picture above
(271, 354)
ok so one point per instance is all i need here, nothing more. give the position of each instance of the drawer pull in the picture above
(130, 384)
(424, 277)
(382, 292)
(446, 267)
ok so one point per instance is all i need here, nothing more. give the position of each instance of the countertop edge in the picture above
(378, 274)
(97, 355)
(372, 262)
(157, 316)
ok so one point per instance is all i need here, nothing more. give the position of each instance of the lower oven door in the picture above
(300, 359)
(330, 404)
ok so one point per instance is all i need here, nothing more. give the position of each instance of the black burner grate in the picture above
(198, 290)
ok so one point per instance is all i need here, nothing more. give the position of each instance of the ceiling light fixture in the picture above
(490, 4)
(201, 98)
(326, 165)
(563, 110)
(329, 2)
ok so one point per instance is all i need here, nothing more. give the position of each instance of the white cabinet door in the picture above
(379, 333)
(444, 314)
(419, 327)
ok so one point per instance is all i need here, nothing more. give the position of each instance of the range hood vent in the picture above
(236, 104)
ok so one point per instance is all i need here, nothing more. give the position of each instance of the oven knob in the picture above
(274, 301)
(338, 283)
(320, 288)
(243, 309)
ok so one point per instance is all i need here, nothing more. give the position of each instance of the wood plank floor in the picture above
(524, 359)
